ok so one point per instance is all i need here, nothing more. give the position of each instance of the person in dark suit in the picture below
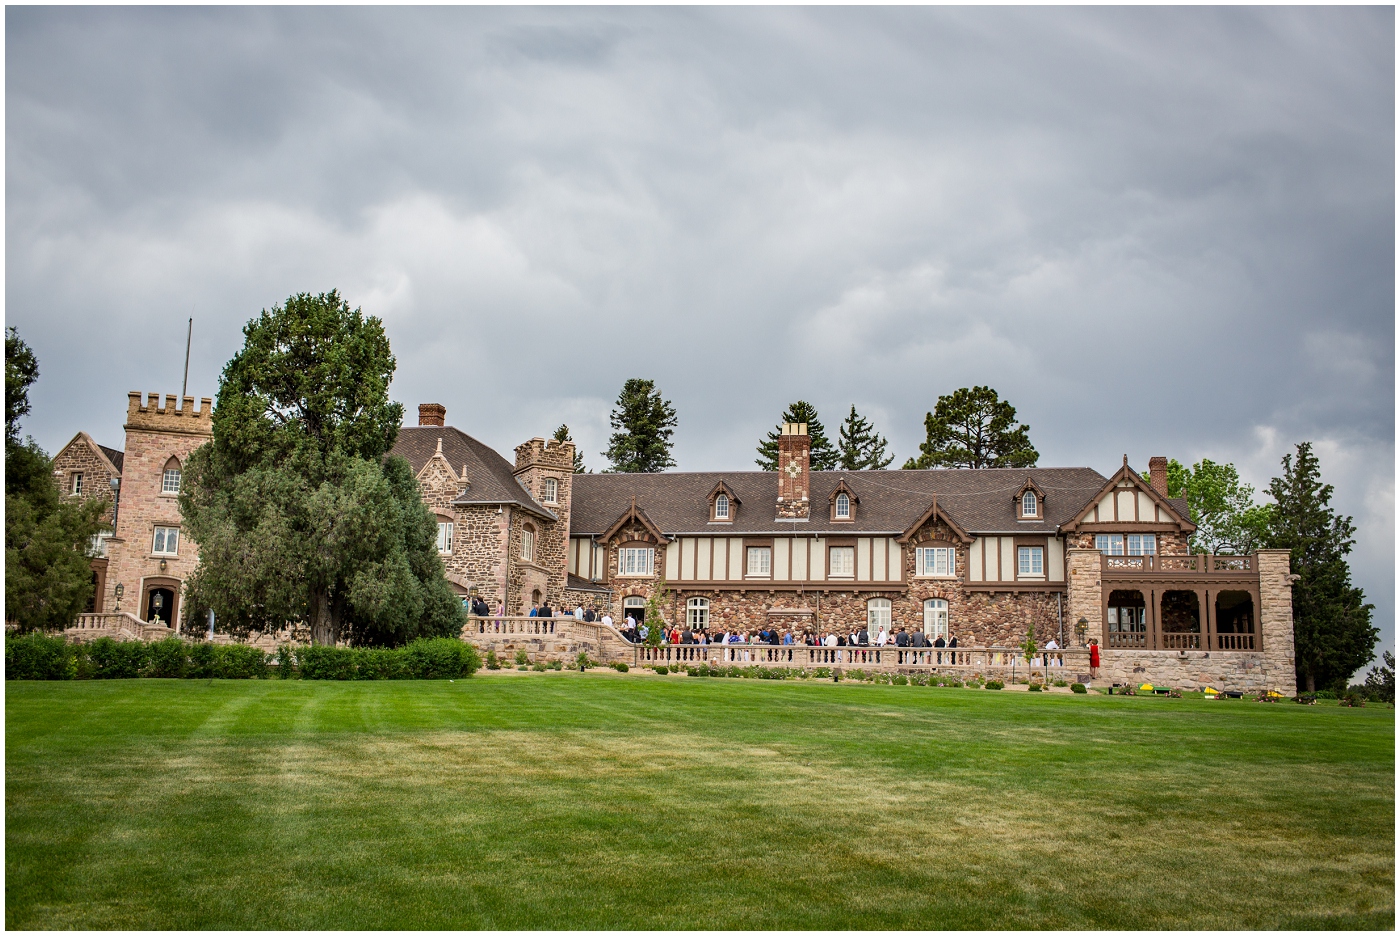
(865, 638)
(952, 644)
(901, 639)
(940, 643)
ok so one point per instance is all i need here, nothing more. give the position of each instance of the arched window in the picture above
(1028, 504)
(551, 490)
(843, 506)
(722, 507)
(527, 543)
(877, 615)
(170, 478)
(936, 618)
(635, 608)
(697, 613)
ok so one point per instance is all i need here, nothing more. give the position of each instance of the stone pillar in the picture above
(1085, 592)
(1276, 619)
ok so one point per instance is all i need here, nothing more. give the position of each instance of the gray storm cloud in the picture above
(1157, 231)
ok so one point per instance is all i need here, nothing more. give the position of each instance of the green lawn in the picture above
(600, 800)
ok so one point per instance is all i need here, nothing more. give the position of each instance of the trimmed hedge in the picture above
(41, 656)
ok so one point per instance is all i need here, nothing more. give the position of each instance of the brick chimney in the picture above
(431, 414)
(1157, 471)
(794, 472)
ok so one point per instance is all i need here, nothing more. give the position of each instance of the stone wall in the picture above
(1276, 617)
(535, 461)
(83, 455)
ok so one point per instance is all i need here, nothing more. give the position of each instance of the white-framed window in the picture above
(760, 560)
(77, 483)
(843, 506)
(170, 481)
(527, 544)
(97, 546)
(551, 490)
(936, 560)
(445, 537)
(722, 507)
(935, 618)
(634, 607)
(877, 615)
(635, 560)
(1030, 560)
(843, 561)
(1142, 544)
(697, 613)
(1028, 504)
(1110, 544)
(166, 542)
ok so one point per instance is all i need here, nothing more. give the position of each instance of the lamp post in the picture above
(119, 591)
(1081, 628)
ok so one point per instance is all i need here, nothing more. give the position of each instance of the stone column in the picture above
(1085, 598)
(1276, 619)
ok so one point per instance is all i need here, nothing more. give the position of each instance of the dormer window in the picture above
(1028, 505)
(843, 503)
(722, 507)
(843, 506)
(551, 490)
(1030, 502)
(723, 503)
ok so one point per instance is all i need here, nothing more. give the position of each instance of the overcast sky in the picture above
(1155, 231)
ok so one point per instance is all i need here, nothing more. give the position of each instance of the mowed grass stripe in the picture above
(568, 800)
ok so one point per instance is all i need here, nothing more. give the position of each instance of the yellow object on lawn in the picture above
(1145, 687)
(1210, 691)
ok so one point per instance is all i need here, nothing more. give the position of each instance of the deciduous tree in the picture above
(1332, 632)
(48, 538)
(823, 454)
(859, 446)
(1227, 519)
(974, 428)
(299, 515)
(643, 424)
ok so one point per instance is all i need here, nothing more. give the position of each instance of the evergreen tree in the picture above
(48, 578)
(1381, 679)
(860, 446)
(974, 428)
(562, 435)
(1227, 519)
(643, 424)
(298, 514)
(1332, 632)
(824, 456)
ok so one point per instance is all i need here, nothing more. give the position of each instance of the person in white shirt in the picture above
(578, 613)
(1052, 645)
(607, 619)
(882, 638)
(830, 640)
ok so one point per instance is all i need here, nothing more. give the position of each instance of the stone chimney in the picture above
(794, 472)
(1157, 470)
(432, 414)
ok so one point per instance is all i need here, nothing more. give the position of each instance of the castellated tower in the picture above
(149, 556)
(794, 472)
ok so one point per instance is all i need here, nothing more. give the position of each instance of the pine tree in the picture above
(974, 428)
(1332, 631)
(823, 454)
(859, 446)
(562, 435)
(643, 424)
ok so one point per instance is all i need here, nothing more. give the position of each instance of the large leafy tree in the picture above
(824, 456)
(48, 578)
(974, 428)
(643, 424)
(1227, 519)
(1332, 632)
(298, 514)
(859, 446)
(562, 435)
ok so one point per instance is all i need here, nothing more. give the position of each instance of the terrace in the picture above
(1194, 602)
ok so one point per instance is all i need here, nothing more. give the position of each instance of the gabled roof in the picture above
(629, 515)
(115, 456)
(111, 456)
(930, 514)
(977, 500)
(841, 485)
(490, 478)
(722, 488)
(1174, 507)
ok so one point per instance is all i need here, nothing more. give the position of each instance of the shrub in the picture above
(522, 658)
(491, 661)
(661, 670)
(38, 656)
(325, 662)
(1350, 700)
(995, 684)
(621, 667)
(1060, 683)
(106, 658)
(204, 661)
(240, 661)
(901, 680)
(583, 661)
(735, 672)
(557, 665)
(285, 662)
(952, 682)
(1325, 694)
(539, 667)
(167, 659)
(1079, 688)
(822, 672)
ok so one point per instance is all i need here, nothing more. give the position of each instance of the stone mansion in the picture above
(980, 554)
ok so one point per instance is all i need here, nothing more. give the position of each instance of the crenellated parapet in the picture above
(152, 416)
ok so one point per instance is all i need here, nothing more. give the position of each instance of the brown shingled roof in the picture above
(980, 500)
(490, 478)
(114, 456)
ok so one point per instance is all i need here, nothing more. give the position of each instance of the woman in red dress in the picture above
(1093, 659)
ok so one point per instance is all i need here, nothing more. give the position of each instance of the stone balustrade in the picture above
(119, 625)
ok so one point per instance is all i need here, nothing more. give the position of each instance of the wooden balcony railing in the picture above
(1200, 564)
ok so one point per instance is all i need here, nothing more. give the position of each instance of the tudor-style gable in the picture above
(1127, 502)
(934, 513)
(633, 519)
